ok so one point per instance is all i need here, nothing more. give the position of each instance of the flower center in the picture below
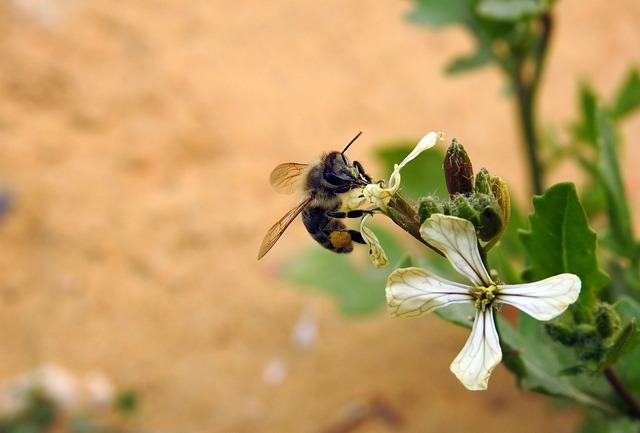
(485, 296)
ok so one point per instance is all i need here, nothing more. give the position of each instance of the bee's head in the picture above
(340, 173)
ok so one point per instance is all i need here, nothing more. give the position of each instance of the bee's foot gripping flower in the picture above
(414, 291)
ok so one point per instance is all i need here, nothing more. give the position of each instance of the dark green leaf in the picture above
(560, 240)
(510, 10)
(628, 97)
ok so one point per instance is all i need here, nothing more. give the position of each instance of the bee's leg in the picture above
(343, 189)
(356, 236)
(356, 213)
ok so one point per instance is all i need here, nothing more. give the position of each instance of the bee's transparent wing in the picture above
(278, 228)
(285, 177)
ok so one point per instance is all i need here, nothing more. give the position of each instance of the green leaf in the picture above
(627, 365)
(597, 422)
(628, 97)
(359, 289)
(627, 340)
(586, 130)
(439, 13)
(541, 361)
(560, 240)
(481, 57)
(510, 10)
(620, 235)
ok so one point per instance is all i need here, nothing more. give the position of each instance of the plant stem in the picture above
(526, 83)
(623, 392)
(403, 212)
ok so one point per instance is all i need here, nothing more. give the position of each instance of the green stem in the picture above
(526, 83)
(623, 392)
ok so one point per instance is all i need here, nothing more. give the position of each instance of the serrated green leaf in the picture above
(560, 240)
(628, 98)
(510, 10)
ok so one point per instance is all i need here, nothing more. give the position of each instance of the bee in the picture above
(324, 183)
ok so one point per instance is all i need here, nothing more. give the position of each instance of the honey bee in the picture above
(324, 183)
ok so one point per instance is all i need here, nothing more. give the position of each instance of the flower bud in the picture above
(462, 207)
(590, 344)
(607, 320)
(501, 193)
(458, 171)
(490, 224)
(562, 333)
(483, 182)
(428, 206)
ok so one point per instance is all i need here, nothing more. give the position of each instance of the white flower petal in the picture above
(542, 300)
(379, 195)
(413, 291)
(480, 355)
(426, 142)
(352, 199)
(457, 240)
(376, 252)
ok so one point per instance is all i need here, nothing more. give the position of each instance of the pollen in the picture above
(485, 297)
(340, 239)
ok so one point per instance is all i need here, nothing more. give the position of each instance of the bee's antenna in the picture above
(350, 143)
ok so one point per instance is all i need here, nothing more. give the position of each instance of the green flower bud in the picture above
(483, 182)
(458, 171)
(428, 206)
(607, 320)
(590, 345)
(490, 224)
(462, 207)
(501, 193)
(562, 333)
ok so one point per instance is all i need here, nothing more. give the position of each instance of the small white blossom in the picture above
(377, 194)
(414, 291)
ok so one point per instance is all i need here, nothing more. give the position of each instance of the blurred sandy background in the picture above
(136, 138)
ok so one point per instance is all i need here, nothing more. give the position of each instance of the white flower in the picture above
(414, 291)
(376, 253)
(379, 195)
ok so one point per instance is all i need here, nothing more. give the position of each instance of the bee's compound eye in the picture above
(331, 177)
(340, 239)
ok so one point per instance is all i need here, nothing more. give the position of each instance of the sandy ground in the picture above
(136, 139)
